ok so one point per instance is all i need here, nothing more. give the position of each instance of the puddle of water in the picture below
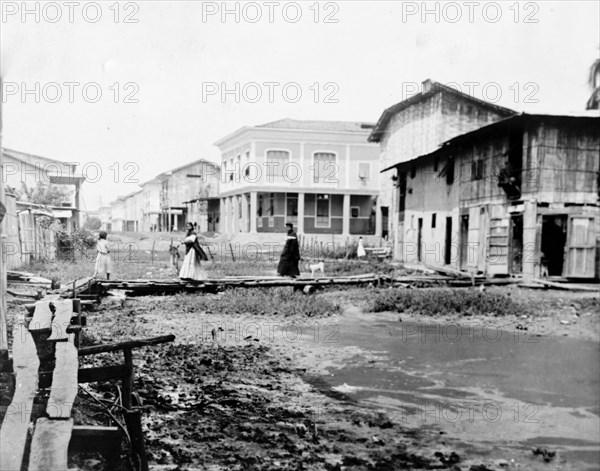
(480, 384)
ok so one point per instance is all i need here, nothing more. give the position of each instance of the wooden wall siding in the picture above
(569, 160)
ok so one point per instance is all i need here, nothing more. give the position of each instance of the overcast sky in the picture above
(170, 65)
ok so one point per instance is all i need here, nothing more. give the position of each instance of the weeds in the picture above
(441, 301)
(259, 301)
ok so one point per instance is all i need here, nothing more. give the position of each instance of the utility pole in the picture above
(3, 294)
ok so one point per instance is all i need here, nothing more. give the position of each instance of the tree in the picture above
(45, 193)
(93, 224)
(593, 102)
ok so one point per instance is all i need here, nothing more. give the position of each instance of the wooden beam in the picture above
(131, 344)
(64, 381)
(102, 373)
(13, 434)
(91, 439)
(50, 445)
(62, 319)
(42, 316)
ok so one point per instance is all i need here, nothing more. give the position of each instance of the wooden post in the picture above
(133, 419)
(153, 244)
(231, 250)
(3, 283)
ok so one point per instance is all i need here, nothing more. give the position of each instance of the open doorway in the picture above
(464, 242)
(448, 246)
(384, 222)
(420, 239)
(554, 237)
(516, 244)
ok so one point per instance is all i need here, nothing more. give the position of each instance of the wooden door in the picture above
(581, 247)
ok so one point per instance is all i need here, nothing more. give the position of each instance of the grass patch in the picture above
(442, 301)
(256, 301)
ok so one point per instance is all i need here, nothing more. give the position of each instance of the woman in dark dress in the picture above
(290, 256)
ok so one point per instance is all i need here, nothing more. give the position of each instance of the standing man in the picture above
(290, 256)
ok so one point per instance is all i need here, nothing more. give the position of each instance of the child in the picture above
(360, 251)
(103, 264)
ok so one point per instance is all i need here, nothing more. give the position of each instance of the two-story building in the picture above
(417, 126)
(516, 197)
(150, 205)
(23, 170)
(322, 176)
(189, 193)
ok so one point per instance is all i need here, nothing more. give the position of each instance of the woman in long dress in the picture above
(103, 263)
(191, 268)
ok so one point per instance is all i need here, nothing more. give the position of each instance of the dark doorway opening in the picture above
(384, 222)
(448, 246)
(464, 242)
(554, 237)
(420, 240)
(516, 244)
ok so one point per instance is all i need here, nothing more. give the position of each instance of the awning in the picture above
(62, 213)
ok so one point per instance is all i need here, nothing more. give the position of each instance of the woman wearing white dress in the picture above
(191, 268)
(103, 263)
(360, 251)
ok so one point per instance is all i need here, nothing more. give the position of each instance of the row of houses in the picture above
(443, 178)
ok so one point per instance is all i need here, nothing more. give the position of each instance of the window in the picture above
(275, 163)
(291, 211)
(433, 220)
(259, 209)
(477, 169)
(364, 170)
(325, 168)
(271, 209)
(322, 211)
(355, 211)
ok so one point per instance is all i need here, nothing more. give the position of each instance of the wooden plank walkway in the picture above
(64, 381)
(15, 426)
(63, 312)
(50, 445)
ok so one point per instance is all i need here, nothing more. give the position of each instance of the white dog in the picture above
(314, 267)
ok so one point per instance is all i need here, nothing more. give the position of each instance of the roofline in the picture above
(436, 88)
(7, 150)
(260, 128)
(181, 167)
(521, 117)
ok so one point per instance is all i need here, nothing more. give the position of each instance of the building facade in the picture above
(190, 194)
(321, 176)
(417, 126)
(516, 197)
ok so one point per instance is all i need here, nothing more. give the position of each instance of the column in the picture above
(378, 217)
(530, 228)
(236, 214)
(346, 215)
(244, 212)
(253, 209)
(223, 216)
(300, 213)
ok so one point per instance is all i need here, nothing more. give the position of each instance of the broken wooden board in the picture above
(64, 381)
(81, 286)
(13, 434)
(564, 286)
(42, 316)
(63, 312)
(50, 445)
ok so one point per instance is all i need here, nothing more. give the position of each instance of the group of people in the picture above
(191, 268)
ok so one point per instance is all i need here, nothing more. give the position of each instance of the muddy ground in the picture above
(233, 392)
